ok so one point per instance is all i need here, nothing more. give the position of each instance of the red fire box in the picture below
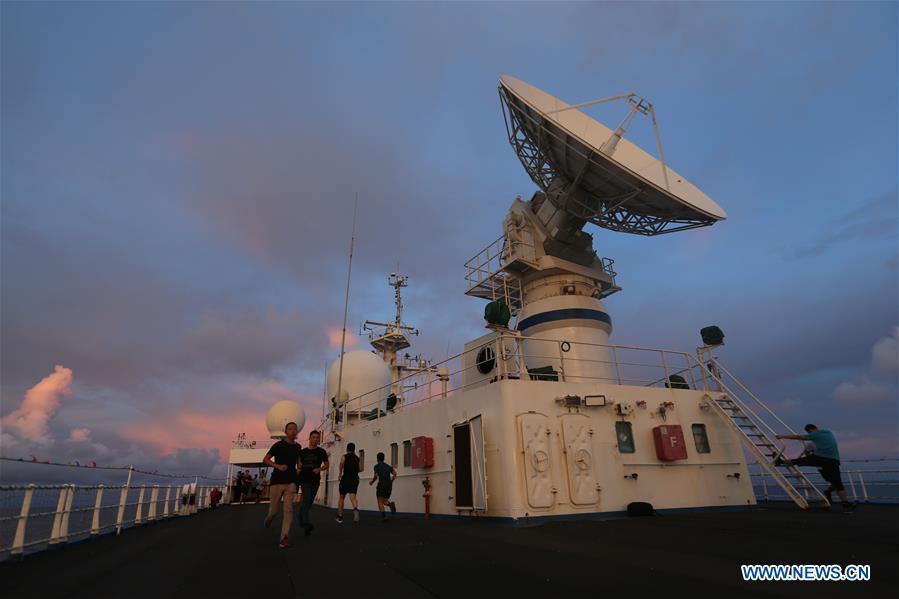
(669, 439)
(422, 452)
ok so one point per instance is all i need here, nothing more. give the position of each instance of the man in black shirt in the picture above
(314, 461)
(283, 458)
(350, 468)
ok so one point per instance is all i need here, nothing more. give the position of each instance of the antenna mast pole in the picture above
(346, 302)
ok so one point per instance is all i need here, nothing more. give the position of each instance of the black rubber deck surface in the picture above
(227, 553)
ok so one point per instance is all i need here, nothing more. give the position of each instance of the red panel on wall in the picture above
(422, 452)
(669, 439)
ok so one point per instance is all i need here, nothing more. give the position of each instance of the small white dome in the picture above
(364, 374)
(280, 414)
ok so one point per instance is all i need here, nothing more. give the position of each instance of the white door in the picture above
(478, 464)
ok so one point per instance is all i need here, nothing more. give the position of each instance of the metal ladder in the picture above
(758, 436)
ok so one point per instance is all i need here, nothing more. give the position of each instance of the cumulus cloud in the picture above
(879, 384)
(80, 435)
(30, 420)
(863, 391)
(885, 354)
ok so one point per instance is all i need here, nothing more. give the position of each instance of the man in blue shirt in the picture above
(385, 474)
(826, 458)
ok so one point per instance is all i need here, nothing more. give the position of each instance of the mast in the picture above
(346, 301)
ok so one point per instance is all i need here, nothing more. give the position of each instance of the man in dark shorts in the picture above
(350, 467)
(314, 461)
(283, 458)
(385, 474)
(826, 458)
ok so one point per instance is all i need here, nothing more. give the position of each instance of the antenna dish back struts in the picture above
(592, 173)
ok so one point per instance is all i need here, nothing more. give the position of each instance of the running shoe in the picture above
(284, 544)
(392, 507)
(355, 515)
(308, 528)
(339, 519)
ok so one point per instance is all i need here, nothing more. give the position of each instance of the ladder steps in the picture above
(790, 478)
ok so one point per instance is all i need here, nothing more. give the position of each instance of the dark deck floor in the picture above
(227, 553)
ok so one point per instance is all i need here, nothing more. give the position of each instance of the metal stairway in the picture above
(758, 437)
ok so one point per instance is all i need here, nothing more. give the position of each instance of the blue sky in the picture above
(178, 179)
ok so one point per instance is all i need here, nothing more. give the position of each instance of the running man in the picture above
(826, 458)
(385, 474)
(283, 458)
(350, 467)
(314, 461)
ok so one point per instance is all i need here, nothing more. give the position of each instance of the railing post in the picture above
(665, 368)
(138, 515)
(179, 493)
(154, 497)
(852, 485)
(165, 507)
(65, 515)
(561, 363)
(617, 366)
(861, 481)
(764, 485)
(123, 498)
(57, 516)
(98, 503)
(18, 543)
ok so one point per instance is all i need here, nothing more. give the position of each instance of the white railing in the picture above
(35, 517)
(622, 365)
(865, 484)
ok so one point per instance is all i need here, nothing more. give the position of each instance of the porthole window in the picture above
(625, 436)
(486, 360)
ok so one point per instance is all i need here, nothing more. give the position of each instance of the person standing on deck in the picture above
(283, 458)
(350, 467)
(314, 461)
(385, 474)
(826, 458)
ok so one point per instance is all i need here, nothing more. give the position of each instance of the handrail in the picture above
(80, 511)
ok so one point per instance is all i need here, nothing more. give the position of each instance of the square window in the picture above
(625, 437)
(701, 439)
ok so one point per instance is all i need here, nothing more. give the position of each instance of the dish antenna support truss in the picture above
(532, 136)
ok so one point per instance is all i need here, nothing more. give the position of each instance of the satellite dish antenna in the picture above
(591, 173)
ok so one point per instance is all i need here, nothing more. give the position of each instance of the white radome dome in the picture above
(363, 373)
(280, 414)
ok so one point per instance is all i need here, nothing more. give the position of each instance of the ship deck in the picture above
(228, 553)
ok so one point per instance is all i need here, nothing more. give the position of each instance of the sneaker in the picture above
(284, 544)
(392, 507)
(383, 517)
(848, 508)
(308, 531)
(339, 518)
(355, 515)
(829, 494)
(268, 521)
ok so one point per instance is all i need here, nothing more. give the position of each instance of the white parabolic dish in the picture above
(571, 141)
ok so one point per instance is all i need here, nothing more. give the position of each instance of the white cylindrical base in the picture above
(569, 334)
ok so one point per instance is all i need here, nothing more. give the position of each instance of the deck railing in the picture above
(35, 517)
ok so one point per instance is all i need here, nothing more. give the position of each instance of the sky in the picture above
(178, 183)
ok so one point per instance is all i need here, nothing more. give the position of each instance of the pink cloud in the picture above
(334, 338)
(41, 402)
(80, 435)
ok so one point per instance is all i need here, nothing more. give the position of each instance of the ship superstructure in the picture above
(547, 418)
